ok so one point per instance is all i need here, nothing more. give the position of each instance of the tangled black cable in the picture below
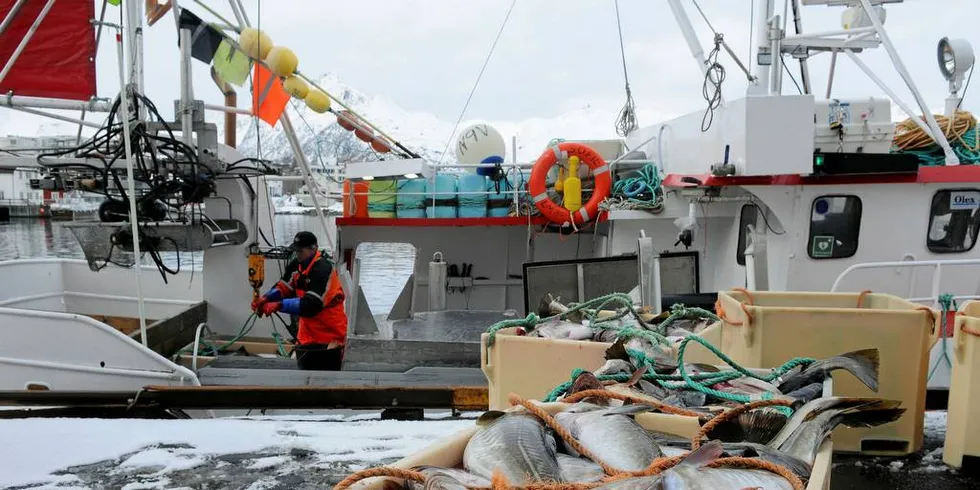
(714, 75)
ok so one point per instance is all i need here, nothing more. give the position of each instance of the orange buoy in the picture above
(364, 134)
(539, 192)
(380, 146)
(346, 120)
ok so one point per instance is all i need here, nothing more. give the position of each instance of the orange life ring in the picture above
(539, 193)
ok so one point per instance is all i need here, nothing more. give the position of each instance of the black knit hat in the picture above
(303, 239)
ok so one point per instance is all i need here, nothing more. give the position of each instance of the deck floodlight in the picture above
(955, 59)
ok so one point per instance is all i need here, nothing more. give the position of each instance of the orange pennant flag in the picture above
(269, 99)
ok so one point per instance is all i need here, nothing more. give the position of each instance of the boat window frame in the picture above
(857, 234)
(742, 240)
(932, 216)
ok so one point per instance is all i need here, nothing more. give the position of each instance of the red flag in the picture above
(269, 99)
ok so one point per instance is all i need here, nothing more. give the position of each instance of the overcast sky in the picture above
(553, 57)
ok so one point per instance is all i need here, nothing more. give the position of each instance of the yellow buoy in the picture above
(318, 101)
(296, 87)
(255, 43)
(573, 186)
(282, 61)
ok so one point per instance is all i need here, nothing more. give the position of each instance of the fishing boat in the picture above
(771, 191)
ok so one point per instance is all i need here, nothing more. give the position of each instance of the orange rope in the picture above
(747, 294)
(862, 296)
(721, 314)
(730, 414)
(932, 317)
(626, 398)
(970, 330)
(380, 471)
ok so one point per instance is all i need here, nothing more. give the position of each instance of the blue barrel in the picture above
(472, 205)
(500, 197)
(381, 198)
(444, 193)
(410, 202)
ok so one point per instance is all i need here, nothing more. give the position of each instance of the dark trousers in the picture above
(316, 357)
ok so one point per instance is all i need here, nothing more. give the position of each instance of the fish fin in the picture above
(637, 376)
(489, 416)
(868, 364)
(394, 485)
(757, 426)
(585, 381)
(442, 481)
(705, 368)
(631, 409)
(704, 455)
(872, 417)
(617, 351)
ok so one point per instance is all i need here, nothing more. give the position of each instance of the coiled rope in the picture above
(960, 131)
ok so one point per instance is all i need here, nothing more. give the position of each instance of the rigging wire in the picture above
(478, 77)
(714, 75)
(627, 122)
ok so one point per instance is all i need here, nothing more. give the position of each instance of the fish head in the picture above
(489, 417)
(684, 475)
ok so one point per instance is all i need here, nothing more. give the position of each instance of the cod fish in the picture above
(691, 474)
(456, 476)
(578, 469)
(806, 430)
(517, 444)
(560, 329)
(660, 356)
(863, 364)
(611, 434)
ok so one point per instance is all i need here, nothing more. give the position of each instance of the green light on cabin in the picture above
(818, 160)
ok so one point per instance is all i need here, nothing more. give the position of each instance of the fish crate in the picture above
(962, 447)
(448, 453)
(532, 366)
(762, 329)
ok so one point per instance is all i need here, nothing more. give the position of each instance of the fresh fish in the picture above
(515, 443)
(661, 356)
(863, 364)
(611, 434)
(801, 469)
(691, 474)
(615, 366)
(758, 426)
(560, 329)
(579, 470)
(555, 307)
(442, 481)
(686, 399)
(806, 430)
(806, 394)
(462, 476)
(639, 483)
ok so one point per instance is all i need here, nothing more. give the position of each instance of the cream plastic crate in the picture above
(449, 452)
(784, 325)
(962, 425)
(531, 366)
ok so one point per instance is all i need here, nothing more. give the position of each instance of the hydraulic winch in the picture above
(256, 270)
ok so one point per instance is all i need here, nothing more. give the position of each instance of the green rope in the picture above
(947, 303)
(701, 381)
(679, 311)
(934, 156)
(596, 304)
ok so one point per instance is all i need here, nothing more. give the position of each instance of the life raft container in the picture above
(539, 193)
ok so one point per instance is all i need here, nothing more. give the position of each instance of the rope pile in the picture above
(656, 467)
(633, 192)
(960, 131)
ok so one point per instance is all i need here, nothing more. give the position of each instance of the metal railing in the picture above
(937, 271)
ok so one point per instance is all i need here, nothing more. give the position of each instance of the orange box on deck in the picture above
(360, 199)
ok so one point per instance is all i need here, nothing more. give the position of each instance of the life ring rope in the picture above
(538, 189)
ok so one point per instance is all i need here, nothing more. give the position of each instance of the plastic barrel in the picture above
(472, 205)
(410, 202)
(500, 198)
(359, 207)
(444, 193)
(381, 200)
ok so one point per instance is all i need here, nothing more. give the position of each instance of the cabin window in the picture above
(748, 216)
(835, 222)
(954, 219)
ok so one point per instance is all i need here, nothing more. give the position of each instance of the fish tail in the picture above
(864, 366)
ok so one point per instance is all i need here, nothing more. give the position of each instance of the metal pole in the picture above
(186, 91)
(27, 39)
(304, 167)
(134, 223)
(908, 110)
(134, 31)
(517, 169)
(804, 69)
(761, 39)
(10, 15)
(72, 120)
(830, 78)
(938, 136)
(684, 22)
(777, 57)
(48, 103)
(238, 15)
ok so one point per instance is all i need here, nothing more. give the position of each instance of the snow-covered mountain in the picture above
(421, 132)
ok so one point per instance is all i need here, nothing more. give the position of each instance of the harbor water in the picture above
(384, 266)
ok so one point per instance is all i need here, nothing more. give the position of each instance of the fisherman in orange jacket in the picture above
(310, 289)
